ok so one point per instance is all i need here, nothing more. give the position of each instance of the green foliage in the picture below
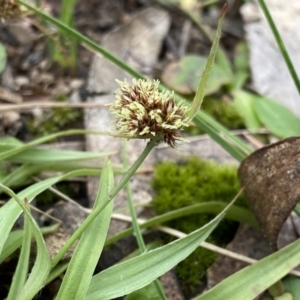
(192, 182)
(257, 110)
(280, 120)
(184, 76)
(244, 104)
(292, 285)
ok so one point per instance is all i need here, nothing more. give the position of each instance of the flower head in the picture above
(10, 9)
(141, 110)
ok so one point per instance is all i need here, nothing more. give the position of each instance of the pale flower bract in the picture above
(141, 110)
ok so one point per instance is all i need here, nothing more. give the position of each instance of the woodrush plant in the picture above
(137, 105)
(140, 271)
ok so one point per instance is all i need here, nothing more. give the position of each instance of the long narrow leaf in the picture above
(21, 175)
(213, 207)
(281, 45)
(57, 271)
(89, 248)
(49, 156)
(140, 271)
(17, 150)
(41, 268)
(248, 283)
(21, 271)
(205, 76)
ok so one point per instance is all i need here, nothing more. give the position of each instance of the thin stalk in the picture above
(135, 224)
(151, 144)
(201, 90)
(280, 44)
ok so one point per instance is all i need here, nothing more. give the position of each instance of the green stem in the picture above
(135, 224)
(194, 107)
(151, 144)
(280, 44)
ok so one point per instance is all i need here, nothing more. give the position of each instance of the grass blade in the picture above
(36, 156)
(21, 271)
(248, 283)
(89, 248)
(140, 271)
(12, 152)
(195, 107)
(232, 144)
(280, 44)
(41, 268)
(21, 175)
(234, 213)
(57, 271)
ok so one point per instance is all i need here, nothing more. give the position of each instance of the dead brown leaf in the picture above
(271, 178)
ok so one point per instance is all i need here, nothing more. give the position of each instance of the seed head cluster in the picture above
(9, 9)
(141, 110)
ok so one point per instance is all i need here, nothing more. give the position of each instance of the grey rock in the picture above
(270, 74)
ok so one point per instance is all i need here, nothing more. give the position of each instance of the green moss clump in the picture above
(193, 182)
(225, 112)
